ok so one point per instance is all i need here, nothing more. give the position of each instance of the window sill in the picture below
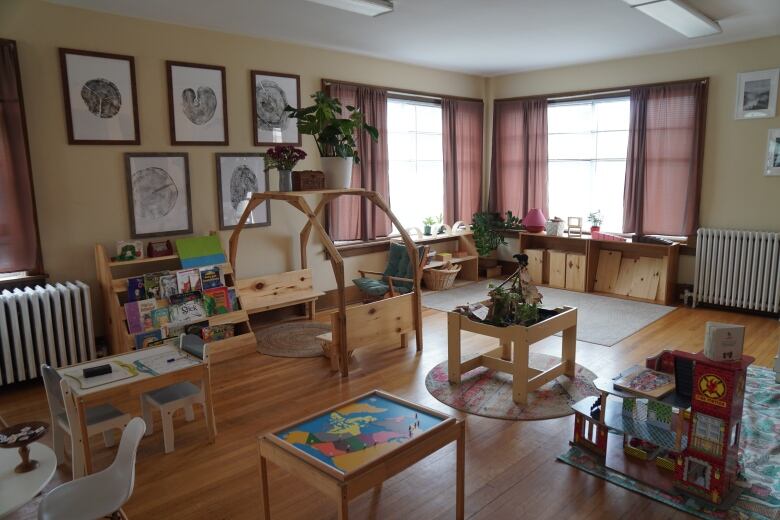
(347, 249)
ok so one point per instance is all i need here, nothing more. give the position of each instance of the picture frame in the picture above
(158, 194)
(101, 102)
(197, 104)
(238, 173)
(772, 164)
(271, 92)
(756, 94)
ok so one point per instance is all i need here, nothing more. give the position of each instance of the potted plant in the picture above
(429, 222)
(334, 135)
(485, 228)
(595, 220)
(284, 159)
(512, 221)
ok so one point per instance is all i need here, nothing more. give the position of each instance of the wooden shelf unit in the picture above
(112, 279)
(662, 260)
(461, 241)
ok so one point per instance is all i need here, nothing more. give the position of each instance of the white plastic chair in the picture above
(170, 399)
(103, 418)
(100, 494)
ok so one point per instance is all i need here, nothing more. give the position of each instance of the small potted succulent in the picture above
(428, 223)
(284, 159)
(595, 220)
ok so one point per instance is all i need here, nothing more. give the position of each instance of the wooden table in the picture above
(511, 356)
(355, 446)
(16, 489)
(150, 371)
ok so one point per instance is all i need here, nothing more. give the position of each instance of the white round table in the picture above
(16, 489)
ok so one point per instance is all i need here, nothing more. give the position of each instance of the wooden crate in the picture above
(575, 271)
(557, 263)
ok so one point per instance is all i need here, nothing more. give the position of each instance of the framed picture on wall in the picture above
(197, 104)
(158, 194)
(772, 166)
(271, 92)
(757, 94)
(100, 97)
(239, 174)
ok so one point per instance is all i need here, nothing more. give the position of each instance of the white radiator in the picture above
(51, 324)
(738, 269)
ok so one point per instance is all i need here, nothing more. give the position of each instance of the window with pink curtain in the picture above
(462, 122)
(663, 167)
(19, 247)
(518, 174)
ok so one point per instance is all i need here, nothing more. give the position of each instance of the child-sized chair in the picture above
(175, 397)
(103, 418)
(397, 277)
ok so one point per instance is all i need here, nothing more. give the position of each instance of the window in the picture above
(416, 166)
(587, 144)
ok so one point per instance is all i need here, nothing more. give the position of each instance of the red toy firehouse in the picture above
(708, 466)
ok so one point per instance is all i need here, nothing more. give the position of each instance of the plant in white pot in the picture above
(334, 135)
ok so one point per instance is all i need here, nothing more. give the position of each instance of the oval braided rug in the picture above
(297, 339)
(489, 393)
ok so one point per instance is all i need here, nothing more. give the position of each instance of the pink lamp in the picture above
(535, 221)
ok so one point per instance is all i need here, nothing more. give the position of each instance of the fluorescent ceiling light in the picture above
(365, 7)
(678, 16)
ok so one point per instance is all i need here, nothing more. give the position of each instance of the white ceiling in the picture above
(484, 37)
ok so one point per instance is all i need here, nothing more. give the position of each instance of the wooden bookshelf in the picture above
(461, 241)
(112, 279)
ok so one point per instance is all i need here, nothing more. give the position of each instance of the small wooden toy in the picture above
(575, 226)
(159, 248)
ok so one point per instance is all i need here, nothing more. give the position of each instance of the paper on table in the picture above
(117, 373)
(167, 362)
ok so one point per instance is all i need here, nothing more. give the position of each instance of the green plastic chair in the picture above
(398, 276)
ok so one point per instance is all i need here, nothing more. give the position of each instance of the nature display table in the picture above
(511, 356)
(355, 446)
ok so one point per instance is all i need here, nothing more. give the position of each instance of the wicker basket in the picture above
(440, 279)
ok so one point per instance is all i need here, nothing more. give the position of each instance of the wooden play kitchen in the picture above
(355, 446)
(511, 356)
(632, 270)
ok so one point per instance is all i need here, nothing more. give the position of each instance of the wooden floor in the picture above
(511, 470)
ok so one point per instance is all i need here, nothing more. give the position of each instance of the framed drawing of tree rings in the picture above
(197, 104)
(271, 92)
(158, 194)
(101, 106)
(239, 174)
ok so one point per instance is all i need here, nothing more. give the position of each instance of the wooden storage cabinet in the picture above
(557, 262)
(463, 242)
(575, 271)
(536, 265)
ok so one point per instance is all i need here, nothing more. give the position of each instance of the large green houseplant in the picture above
(334, 134)
(485, 228)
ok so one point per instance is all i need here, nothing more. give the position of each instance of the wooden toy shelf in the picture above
(630, 270)
(113, 289)
(460, 241)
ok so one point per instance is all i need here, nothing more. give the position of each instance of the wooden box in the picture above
(557, 269)
(308, 180)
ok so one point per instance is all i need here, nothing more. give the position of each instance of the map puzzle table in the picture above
(358, 444)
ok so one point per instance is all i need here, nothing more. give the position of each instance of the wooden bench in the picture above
(276, 291)
(372, 324)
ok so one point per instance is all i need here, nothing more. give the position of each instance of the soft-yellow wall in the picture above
(734, 194)
(80, 190)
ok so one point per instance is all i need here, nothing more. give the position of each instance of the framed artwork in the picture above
(271, 92)
(772, 167)
(101, 106)
(197, 103)
(237, 175)
(158, 194)
(756, 94)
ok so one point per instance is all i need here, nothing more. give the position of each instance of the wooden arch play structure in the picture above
(340, 334)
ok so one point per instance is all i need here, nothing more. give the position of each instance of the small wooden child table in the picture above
(358, 444)
(511, 356)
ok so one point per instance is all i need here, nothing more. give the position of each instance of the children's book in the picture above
(187, 311)
(196, 328)
(135, 289)
(139, 315)
(217, 332)
(188, 280)
(168, 286)
(200, 251)
(216, 301)
(145, 339)
(211, 277)
(233, 295)
(160, 317)
(152, 284)
(645, 382)
(185, 297)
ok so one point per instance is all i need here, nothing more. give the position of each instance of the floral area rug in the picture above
(759, 457)
(489, 393)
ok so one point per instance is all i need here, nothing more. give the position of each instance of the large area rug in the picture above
(298, 339)
(489, 393)
(759, 457)
(596, 315)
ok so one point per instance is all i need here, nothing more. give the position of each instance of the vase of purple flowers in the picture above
(284, 159)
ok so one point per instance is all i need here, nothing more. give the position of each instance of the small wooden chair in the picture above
(397, 276)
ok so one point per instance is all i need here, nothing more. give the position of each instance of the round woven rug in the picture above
(489, 393)
(297, 339)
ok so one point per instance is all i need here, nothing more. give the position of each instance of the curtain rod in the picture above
(605, 90)
(393, 90)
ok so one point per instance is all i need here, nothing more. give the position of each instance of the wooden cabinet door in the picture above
(575, 271)
(557, 269)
